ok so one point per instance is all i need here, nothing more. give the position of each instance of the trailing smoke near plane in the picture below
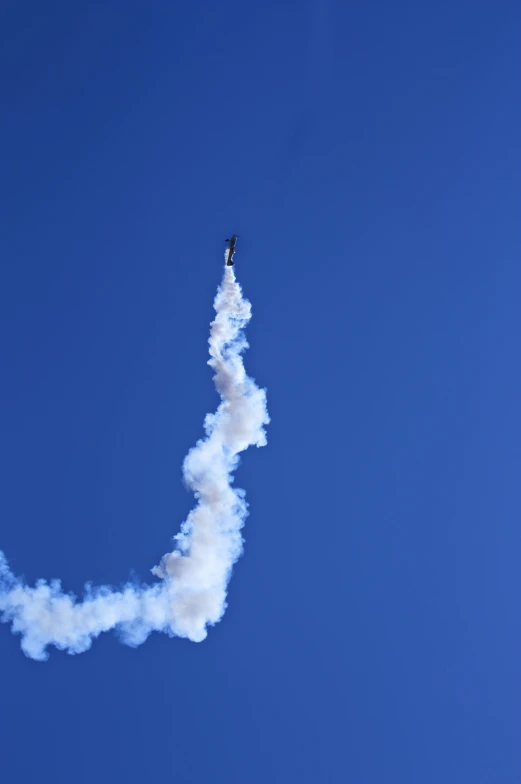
(193, 579)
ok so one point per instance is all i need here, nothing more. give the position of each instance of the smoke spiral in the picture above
(193, 579)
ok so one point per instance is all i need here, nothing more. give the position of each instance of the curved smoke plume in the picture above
(191, 593)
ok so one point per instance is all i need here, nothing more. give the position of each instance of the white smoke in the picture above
(191, 593)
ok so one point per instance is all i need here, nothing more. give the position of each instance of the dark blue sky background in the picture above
(367, 153)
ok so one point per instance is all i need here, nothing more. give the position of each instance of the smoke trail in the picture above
(191, 593)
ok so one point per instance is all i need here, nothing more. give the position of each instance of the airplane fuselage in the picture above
(231, 250)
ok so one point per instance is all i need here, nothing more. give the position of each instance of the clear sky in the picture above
(367, 153)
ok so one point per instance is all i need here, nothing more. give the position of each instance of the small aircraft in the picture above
(231, 250)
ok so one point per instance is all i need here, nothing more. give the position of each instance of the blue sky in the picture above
(367, 154)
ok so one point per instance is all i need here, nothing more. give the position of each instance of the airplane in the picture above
(231, 250)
